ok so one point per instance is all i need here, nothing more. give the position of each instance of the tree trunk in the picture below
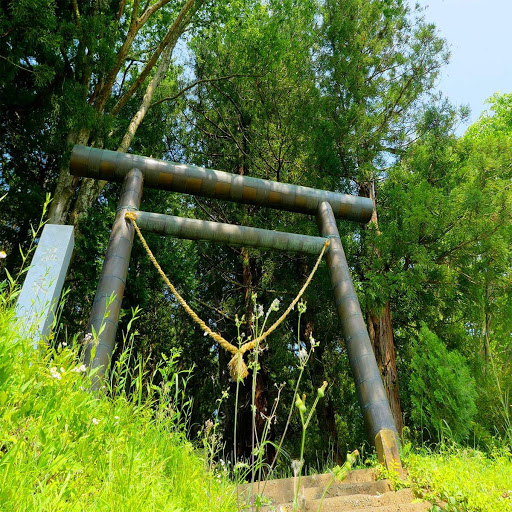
(380, 330)
(486, 328)
(169, 41)
(247, 282)
(66, 184)
(90, 189)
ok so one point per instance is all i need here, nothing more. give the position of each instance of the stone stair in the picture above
(359, 492)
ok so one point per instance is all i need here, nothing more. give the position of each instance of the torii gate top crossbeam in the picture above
(189, 179)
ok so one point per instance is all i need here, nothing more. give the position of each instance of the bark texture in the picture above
(66, 184)
(380, 330)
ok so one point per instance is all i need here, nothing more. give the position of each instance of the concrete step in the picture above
(355, 476)
(274, 487)
(423, 506)
(391, 501)
(283, 491)
(343, 489)
(404, 507)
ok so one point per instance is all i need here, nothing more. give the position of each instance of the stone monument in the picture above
(39, 297)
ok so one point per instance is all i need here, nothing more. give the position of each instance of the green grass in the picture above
(65, 448)
(468, 480)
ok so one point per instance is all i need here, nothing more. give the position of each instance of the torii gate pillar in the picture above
(109, 294)
(370, 389)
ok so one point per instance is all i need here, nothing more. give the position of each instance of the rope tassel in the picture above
(237, 367)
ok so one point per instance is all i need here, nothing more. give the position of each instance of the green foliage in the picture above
(377, 62)
(445, 244)
(466, 480)
(326, 94)
(443, 390)
(497, 120)
(65, 448)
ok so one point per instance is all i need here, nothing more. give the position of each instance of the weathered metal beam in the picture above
(113, 166)
(113, 279)
(370, 389)
(194, 229)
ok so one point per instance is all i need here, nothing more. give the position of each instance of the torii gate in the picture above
(134, 170)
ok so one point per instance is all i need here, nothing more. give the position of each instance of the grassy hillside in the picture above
(457, 478)
(65, 448)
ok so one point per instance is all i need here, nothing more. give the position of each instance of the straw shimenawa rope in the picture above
(237, 366)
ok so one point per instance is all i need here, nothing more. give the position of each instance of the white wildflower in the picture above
(275, 305)
(88, 337)
(79, 369)
(296, 465)
(95, 421)
(62, 370)
(313, 342)
(303, 356)
(3, 255)
(259, 311)
(55, 373)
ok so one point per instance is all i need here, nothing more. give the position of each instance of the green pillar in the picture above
(370, 389)
(113, 279)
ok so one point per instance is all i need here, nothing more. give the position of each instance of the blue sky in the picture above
(479, 33)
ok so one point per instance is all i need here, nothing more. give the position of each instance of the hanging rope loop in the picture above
(237, 366)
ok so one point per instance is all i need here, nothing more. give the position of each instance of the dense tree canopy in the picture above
(328, 94)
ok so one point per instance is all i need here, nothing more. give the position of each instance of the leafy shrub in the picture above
(443, 392)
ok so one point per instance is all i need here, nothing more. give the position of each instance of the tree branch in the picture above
(104, 87)
(76, 12)
(150, 11)
(198, 82)
(171, 37)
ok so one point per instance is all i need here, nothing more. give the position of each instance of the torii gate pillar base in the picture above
(387, 450)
